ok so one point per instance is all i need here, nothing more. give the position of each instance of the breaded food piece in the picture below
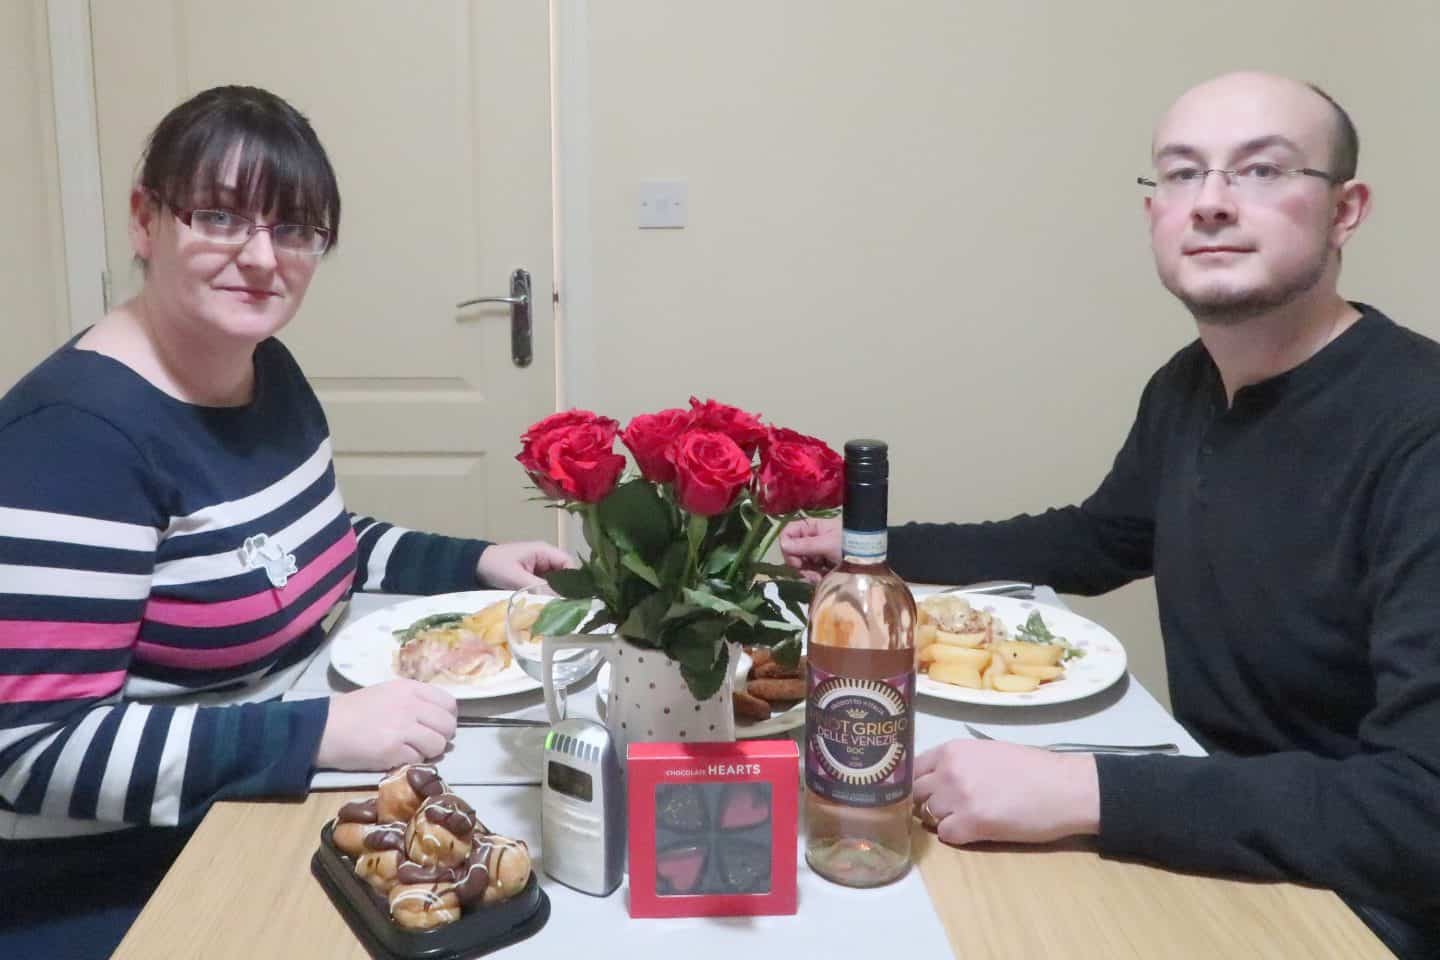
(776, 688)
(748, 707)
(772, 669)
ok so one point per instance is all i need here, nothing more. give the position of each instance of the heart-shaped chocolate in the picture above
(745, 867)
(679, 870)
(744, 806)
(680, 807)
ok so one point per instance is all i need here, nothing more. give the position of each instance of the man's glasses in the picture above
(224, 226)
(1251, 180)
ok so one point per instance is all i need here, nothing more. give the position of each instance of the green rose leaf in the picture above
(560, 617)
(787, 651)
(694, 644)
(778, 571)
(644, 620)
(705, 683)
(796, 595)
(631, 561)
(719, 559)
(766, 633)
(709, 601)
(572, 584)
(635, 516)
(674, 567)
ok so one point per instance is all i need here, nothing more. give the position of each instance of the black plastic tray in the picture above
(478, 931)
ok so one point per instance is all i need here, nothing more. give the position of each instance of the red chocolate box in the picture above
(712, 828)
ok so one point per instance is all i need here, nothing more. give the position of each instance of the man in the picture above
(1282, 484)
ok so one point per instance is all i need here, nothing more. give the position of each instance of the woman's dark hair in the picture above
(282, 166)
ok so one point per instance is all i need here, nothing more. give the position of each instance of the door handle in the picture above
(521, 352)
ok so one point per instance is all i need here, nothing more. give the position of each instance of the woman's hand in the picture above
(510, 566)
(380, 727)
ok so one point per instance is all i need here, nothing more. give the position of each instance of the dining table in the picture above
(243, 888)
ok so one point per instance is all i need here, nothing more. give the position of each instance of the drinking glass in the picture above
(571, 664)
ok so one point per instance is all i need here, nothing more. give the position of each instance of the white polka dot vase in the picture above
(648, 698)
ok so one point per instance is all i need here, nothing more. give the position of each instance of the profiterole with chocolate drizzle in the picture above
(423, 849)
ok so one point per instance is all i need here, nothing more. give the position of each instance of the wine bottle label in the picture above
(867, 545)
(860, 738)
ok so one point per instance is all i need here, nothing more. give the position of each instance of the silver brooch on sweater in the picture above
(261, 551)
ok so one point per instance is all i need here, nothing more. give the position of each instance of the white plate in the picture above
(363, 651)
(744, 729)
(1102, 665)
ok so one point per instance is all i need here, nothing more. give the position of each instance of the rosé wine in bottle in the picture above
(859, 713)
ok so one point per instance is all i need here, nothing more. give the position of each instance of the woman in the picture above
(171, 535)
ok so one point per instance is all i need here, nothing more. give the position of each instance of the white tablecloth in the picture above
(496, 771)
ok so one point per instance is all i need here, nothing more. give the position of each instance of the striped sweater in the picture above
(143, 641)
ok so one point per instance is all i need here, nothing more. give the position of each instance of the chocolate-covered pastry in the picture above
(404, 789)
(437, 860)
(439, 833)
(355, 838)
(380, 868)
(496, 870)
(424, 906)
(359, 811)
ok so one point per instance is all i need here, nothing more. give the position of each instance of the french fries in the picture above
(489, 622)
(965, 647)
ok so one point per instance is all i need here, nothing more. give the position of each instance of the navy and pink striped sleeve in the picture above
(80, 523)
(396, 560)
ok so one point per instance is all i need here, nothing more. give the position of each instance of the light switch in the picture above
(663, 203)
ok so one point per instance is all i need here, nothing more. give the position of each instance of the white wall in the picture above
(914, 220)
(34, 318)
(920, 221)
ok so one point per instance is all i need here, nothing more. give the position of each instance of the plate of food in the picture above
(1008, 652)
(454, 640)
(769, 699)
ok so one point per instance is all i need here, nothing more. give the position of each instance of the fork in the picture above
(1116, 748)
(997, 588)
(500, 722)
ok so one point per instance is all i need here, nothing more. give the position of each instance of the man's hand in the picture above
(510, 566)
(1002, 791)
(380, 727)
(812, 546)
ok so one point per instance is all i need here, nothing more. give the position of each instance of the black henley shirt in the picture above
(1295, 543)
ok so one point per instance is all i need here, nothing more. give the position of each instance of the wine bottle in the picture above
(859, 719)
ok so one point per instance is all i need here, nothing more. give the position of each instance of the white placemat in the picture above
(832, 920)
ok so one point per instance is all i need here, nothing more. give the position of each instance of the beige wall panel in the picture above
(35, 319)
(920, 221)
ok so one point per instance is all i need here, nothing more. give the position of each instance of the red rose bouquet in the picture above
(677, 549)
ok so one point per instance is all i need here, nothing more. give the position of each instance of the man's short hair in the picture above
(1345, 149)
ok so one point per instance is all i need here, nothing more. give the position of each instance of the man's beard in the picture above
(1232, 308)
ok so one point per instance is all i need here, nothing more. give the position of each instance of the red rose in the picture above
(570, 455)
(744, 428)
(565, 419)
(710, 469)
(798, 473)
(649, 435)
